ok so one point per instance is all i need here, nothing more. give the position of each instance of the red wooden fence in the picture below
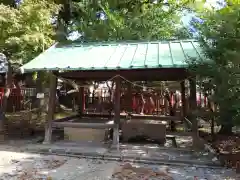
(18, 98)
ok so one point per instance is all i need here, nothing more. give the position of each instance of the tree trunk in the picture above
(39, 89)
(212, 110)
(117, 110)
(5, 98)
(39, 82)
(197, 144)
(51, 109)
(226, 122)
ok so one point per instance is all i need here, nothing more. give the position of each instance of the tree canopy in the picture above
(27, 26)
(26, 29)
(112, 20)
(219, 37)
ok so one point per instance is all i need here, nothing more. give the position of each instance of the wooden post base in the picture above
(198, 143)
(116, 136)
(46, 143)
(48, 134)
(238, 167)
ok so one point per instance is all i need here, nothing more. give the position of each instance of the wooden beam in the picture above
(117, 111)
(83, 125)
(133, 116)
(169, 74)
(51, 109)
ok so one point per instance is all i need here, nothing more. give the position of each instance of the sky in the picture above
(216, 4)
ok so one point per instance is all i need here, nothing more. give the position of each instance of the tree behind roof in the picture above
(112, 20)
(220, 41)
(27, 29)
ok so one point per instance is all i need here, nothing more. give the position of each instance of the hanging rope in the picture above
(77, 86)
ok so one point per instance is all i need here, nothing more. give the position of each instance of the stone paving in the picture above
(84, 169)
(127, 151)
(24, 166)
(16, 163)
(158, 153)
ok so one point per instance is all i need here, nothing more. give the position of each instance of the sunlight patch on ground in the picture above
(18, 165)
(9, 159)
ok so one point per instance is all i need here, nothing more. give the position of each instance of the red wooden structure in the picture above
(155, 104)
(17, 98)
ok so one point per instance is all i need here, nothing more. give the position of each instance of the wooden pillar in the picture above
(81, 101)
(193, 107)
(51, 109)
(129, 97)
(117, 112)
(183, 98)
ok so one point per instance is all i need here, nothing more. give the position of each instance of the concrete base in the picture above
(46, 143)
(156, 130)
(84, 134)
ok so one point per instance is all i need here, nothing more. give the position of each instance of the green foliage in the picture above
(26, 30)
(220, 40)
(128, 20)
(9, 2)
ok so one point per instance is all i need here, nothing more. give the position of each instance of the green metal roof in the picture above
(115, 56)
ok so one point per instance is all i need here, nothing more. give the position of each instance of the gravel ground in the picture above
(24, 166)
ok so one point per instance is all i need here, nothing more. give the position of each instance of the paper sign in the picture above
(40, 95)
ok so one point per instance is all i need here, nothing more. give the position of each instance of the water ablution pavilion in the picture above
(133, 61)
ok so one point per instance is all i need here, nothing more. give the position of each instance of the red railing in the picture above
(18, 99)
(21, 99)
(155, 104)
